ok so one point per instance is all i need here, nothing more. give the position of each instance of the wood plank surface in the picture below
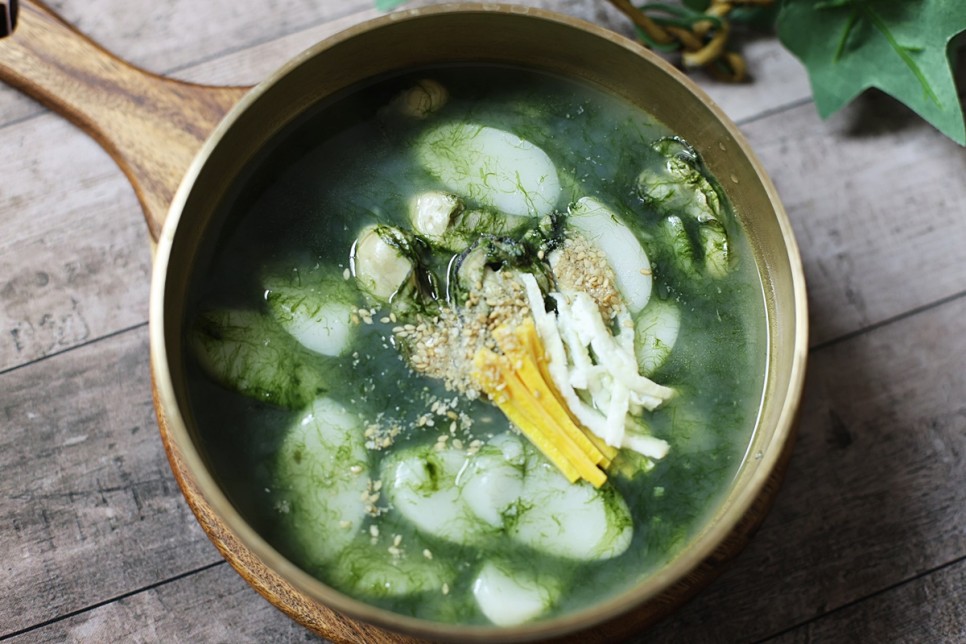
(867, 538)
(90, 508)
(877, 200)
(174, 611)
(74, 258)
(876, 491)
(922, 610)
(170, 37)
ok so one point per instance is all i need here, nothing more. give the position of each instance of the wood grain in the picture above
(213, 605)
(870, 254)
(74, 259)
(926, 610)
(173, 37)
(74, 262)
(151, 125)
(857, 548)
(875, 493)
(90, 509)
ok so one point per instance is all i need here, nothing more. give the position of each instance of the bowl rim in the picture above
(181, 447)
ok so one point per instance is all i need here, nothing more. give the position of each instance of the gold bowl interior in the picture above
(501, 35)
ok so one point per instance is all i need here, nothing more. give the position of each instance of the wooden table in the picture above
(867, 539)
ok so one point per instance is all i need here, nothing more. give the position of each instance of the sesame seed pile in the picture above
(579, 265)
(443, 346)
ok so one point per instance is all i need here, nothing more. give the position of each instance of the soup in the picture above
(477, 344)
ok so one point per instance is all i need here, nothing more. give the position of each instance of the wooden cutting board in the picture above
(151, 125)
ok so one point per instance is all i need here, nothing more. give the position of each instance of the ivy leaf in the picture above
(761, 18)
(901, 47)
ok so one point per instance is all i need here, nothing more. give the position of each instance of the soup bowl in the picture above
(496, 35)
(502, 36)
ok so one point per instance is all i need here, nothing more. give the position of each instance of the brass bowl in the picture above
(492, 34)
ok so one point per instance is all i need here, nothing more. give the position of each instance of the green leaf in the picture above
(901, 47)
(757, 17)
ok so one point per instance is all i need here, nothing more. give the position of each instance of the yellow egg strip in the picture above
(560, 436)
(518, 383)
(528, 371)
(495, 376)
(607, 452)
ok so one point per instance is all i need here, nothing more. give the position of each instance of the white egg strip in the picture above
(614, 384)
(619, 362)
(647, 445)
(553, 344)
(583, 370)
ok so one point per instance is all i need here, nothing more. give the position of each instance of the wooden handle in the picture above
(152, 126)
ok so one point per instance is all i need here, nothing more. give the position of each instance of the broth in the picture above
(296, 217)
